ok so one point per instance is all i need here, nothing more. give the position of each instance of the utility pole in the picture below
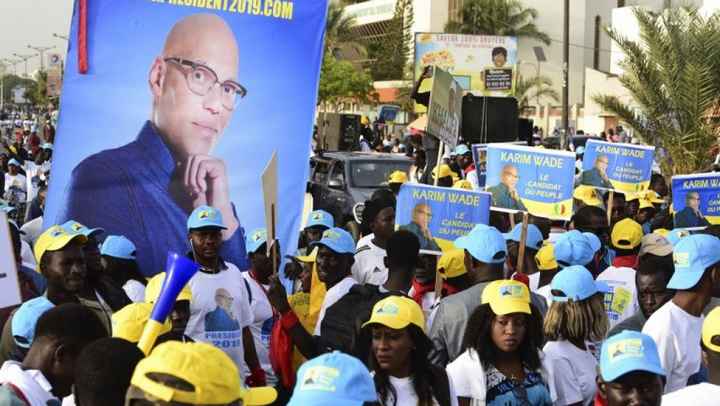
(565, 85)
(41, 51)
(2, 85)
(65, 37)
(13, 63)
(25, 59)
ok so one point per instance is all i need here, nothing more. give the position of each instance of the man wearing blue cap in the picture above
(630, 371)
(220, 307)
(676, 327)
(533, 242)
(15, 182)
(117, 256)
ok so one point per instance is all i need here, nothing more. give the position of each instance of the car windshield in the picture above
(373, 174)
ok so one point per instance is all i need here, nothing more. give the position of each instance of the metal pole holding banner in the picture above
(521, 248)
(610, 206)
(438, 278)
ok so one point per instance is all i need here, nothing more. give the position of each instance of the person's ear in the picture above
(601, 387)
(156, 79)
(60, 356)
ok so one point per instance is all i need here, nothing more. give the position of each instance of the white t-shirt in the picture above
(406, 394)
(331, 297)
(472, 177)
(428, 305)
(622, 302)
(534, 281)
(26, 253)
(677, 335)
(219, 310)
(32, 230)
(364, 240)
(32, 383)
(17, 180)
(134, 290)
(573, 371)
(544, 291)
(261, 327)
(369, 266)
(703, 394)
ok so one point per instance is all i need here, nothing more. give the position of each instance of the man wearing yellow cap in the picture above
(180, 313)
(191, 374)
(396, 180)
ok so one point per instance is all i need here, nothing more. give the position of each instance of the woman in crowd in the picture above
(399, 356)
(574, 327)
(502, 363)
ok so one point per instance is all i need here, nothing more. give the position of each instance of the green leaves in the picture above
(498, 17)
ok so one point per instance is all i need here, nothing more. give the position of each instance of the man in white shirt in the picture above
(676, 326)
(369, 266)
(706, 393)
(220, 308)
(14, 179)
(46, 375)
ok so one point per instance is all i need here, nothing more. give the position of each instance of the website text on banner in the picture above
(444, 115)
(696, 200)
(484, 65)
(622, 167)
(182, 110)
(438, 216)
(538, 181)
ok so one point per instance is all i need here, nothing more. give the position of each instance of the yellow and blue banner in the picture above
(696, 200)
(479, 153)
(438, 215)
(622, 167)
(539, 181)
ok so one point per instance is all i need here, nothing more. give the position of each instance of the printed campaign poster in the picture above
(438, 215)
(479, 152)
(183, 105)
(623, 167)
(539, 181)
(696, 200)
(445, 111)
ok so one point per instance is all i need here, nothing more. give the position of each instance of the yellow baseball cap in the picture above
(212, 373)
(626, 234)
(452, 263)
(662, 231)
(653, 197)
(397, 312)
(507, 296)
(398, 177)
(587, 195)
(53, 239)
(445, 171)
(309, 258)
(463, 184)
(545, 258)
(129, 322)
(630, 196)
(646, 204)
(711, 328)
(154, 286)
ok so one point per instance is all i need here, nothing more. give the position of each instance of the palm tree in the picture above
(673, 74)
(534, 88)
(497, 17)
(338, 30)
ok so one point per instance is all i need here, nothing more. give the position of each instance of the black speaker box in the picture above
(489, 119)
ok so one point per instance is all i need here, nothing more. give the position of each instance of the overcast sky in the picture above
(33, 22)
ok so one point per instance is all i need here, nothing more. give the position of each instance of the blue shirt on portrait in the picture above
(125, 191)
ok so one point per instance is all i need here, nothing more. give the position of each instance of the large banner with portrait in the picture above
(696, 200)
(539, 181)
(622, 167)
(183, 105)
(445, 113)
(439, 215)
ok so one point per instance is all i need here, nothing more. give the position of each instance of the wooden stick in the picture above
(441, 151)
(272, 246)
(610, 206)
(521, 248)
(512, 220)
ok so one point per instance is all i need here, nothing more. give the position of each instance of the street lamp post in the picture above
(61, 36)
(25, 59)
(13, 63)
(41, 51)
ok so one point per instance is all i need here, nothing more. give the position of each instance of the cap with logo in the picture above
(117, 246)
(626, 234)
(576, 283)
(486, 244)
(333, 379)
(627, 352)
(655, 244)
(129, 322)
(154, 287)
(320, 218)
(25, 319)
(73, 226)
(205, 217)
(573, 248)
(398, 177)
(507, 296)
(692, 255)
(255, 240)
(710, 329)
(653, 197)
(533, 240)
(675, 235)
(337, 240)
(587, 195)
(397, 312)
(545, 258)
(212, 374)
(53, 239)
(452, 263)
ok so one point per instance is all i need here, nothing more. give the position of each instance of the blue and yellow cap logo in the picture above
(320, 378)
(629, 348)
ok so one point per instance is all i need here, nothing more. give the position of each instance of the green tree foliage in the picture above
(673, 74)
(11, 81)
(497, 17)
(536, 87)
(390, 54)
(341, 81)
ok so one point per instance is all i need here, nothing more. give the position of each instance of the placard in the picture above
(696, 200)
(622, 167)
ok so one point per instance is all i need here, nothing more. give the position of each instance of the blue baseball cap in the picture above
(675, 235)
(320, 218)
(577, 283)
(692, 255)
(26, 317)
(118, 246)
(484, 243)
(338, 240)
(534, 239)
(73, 227)
(14, 162)
(333, 379)
(594, 241)
(461, 149)
(626, 352)
(579, 150)
(255, 239)
(205, 216)
(573, 248)
(47, 145)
